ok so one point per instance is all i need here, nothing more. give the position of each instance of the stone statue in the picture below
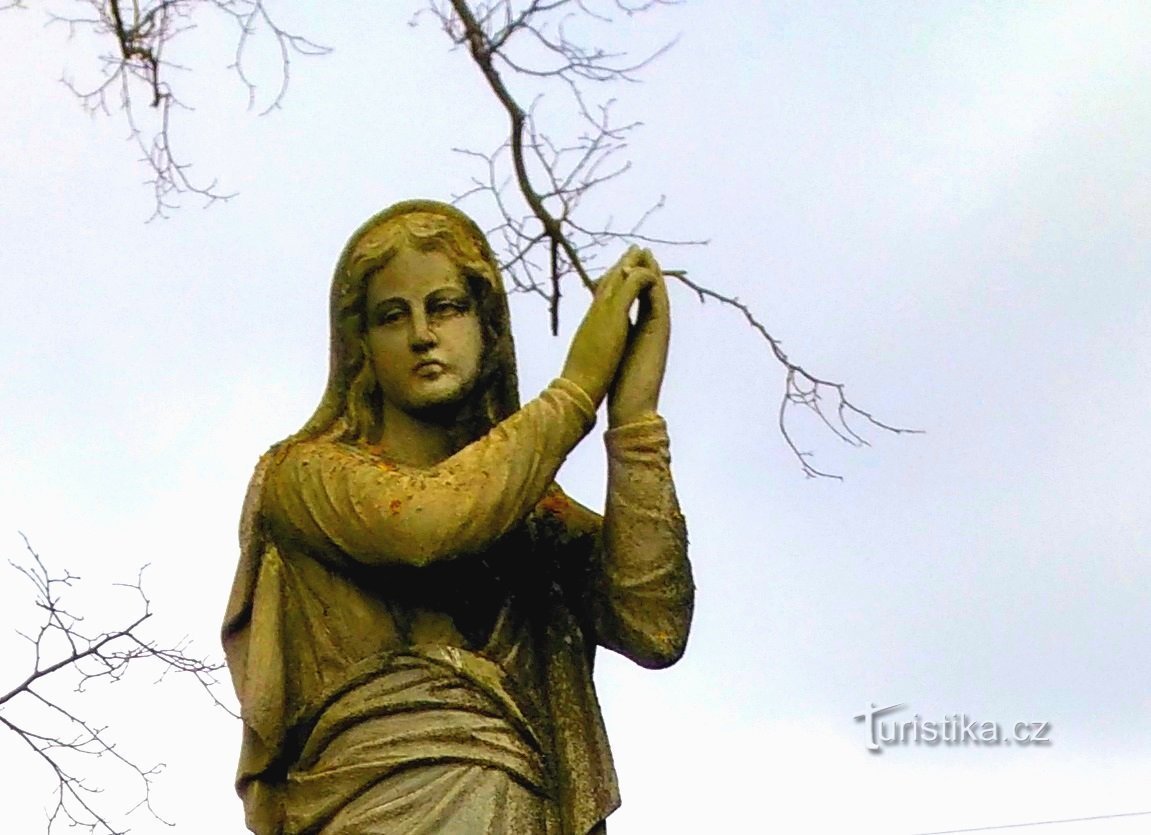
(413, 622)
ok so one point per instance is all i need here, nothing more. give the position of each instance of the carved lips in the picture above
(429, 369)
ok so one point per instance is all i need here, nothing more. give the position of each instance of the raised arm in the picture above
(332, 496)
(636, 584)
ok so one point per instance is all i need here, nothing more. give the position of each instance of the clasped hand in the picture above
(609, 355)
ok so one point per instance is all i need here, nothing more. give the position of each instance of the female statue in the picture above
(413, 622)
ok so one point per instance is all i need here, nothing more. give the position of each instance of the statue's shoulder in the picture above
(304, 451)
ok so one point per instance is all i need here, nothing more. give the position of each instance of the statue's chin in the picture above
(444, 406)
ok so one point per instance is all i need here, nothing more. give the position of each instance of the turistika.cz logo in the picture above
(952, 729)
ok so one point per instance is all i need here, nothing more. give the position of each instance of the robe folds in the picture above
(413, 647)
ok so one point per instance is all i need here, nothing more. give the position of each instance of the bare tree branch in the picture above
(64, 738)
(543, 242)
(804, 390)
(135, 66)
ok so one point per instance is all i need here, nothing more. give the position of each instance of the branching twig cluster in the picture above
(61, 734)
(544, 241)
(136, 66)
(827, 400)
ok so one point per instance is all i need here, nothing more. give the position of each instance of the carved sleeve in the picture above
(334, 496)
(646, 592)
(628, 573)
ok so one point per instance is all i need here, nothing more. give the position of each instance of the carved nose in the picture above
(422, 335)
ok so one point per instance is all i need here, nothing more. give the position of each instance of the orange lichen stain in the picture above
(556, 504)
(395, 506)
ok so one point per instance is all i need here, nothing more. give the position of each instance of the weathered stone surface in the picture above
(417, 605)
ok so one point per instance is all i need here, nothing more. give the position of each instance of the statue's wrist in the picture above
(630, 415)
(576, 392)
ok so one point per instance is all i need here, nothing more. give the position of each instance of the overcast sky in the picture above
(946, 205)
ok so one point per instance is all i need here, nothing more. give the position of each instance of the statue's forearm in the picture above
(644, 601)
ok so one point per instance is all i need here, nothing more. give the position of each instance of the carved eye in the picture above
(445, 308)
(391, 316)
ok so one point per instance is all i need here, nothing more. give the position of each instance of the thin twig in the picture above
(139, 35)
(64, 738)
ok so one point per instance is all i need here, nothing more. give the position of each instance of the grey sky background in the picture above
(947, 206)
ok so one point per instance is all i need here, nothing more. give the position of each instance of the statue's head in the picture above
(419, 323)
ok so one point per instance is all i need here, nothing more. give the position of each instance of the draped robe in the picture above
(410, 642)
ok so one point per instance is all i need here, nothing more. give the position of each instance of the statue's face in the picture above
(423, 332)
